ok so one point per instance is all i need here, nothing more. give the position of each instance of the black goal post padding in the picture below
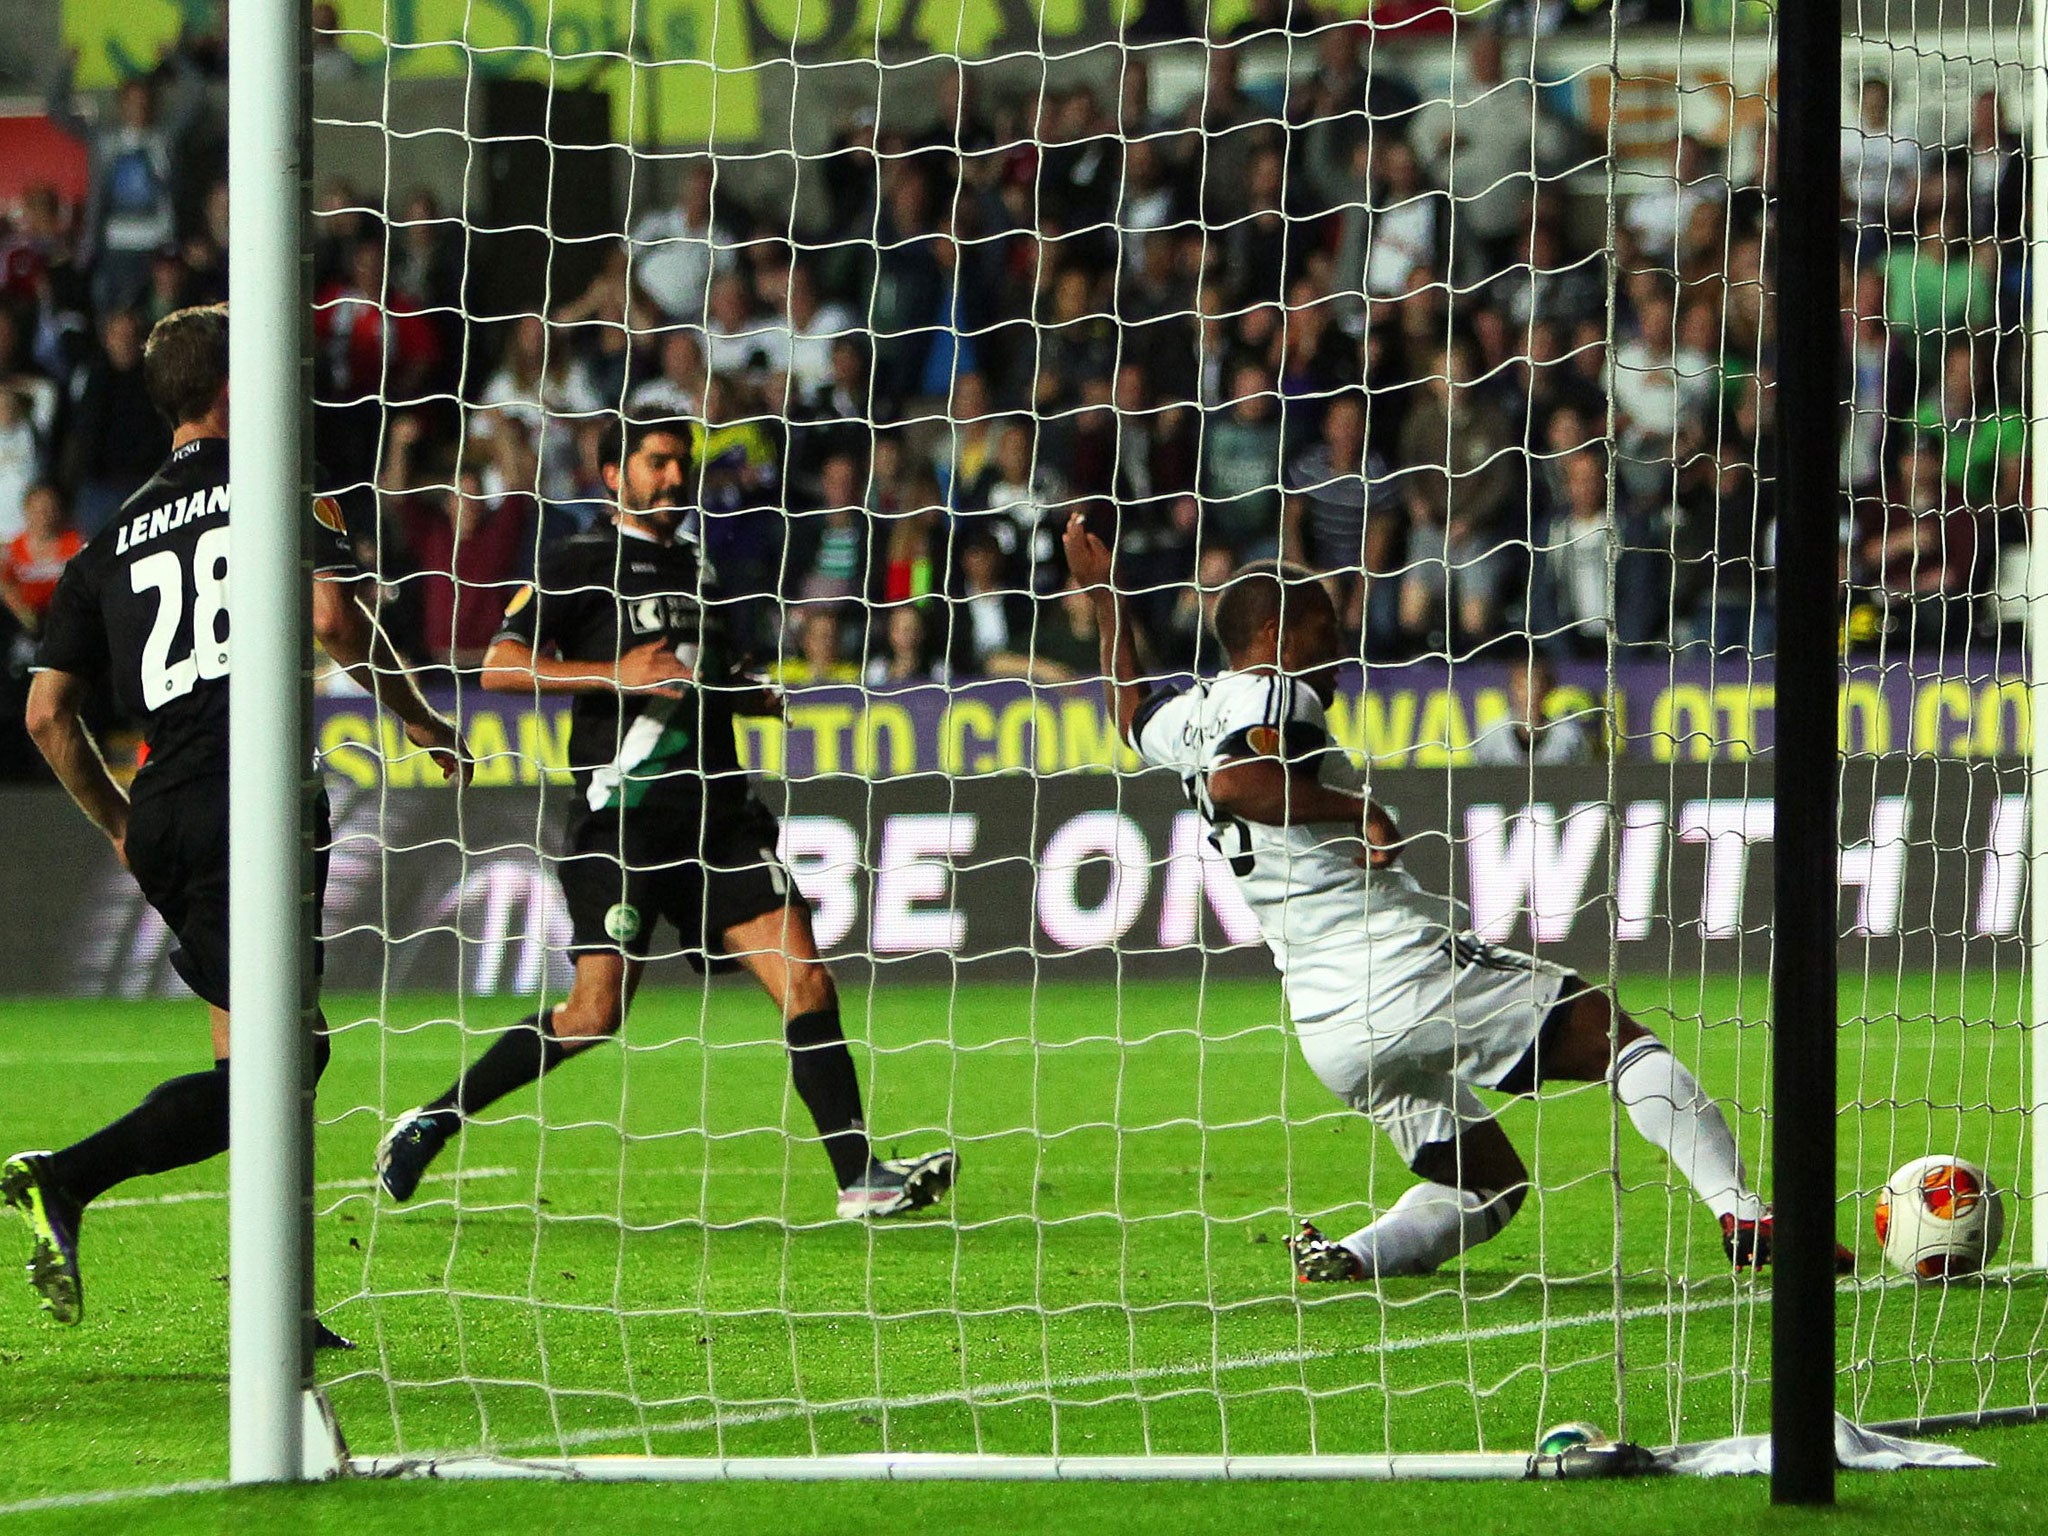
(1804, 937)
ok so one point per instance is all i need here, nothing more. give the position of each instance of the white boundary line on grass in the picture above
(326, 1186)
(335, 1186)
(108, 1496)
(998, 1391)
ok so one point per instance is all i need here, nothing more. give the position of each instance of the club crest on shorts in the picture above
(622, 922)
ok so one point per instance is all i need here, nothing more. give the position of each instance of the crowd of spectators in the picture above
(1394, 337)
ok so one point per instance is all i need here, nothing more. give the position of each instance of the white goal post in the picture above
(675, 1305)
(270, 1107)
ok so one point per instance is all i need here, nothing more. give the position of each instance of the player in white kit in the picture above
(1399, 1012)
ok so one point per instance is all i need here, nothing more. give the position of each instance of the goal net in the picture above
(1468, 312)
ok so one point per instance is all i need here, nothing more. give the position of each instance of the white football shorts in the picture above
(1411, 1060)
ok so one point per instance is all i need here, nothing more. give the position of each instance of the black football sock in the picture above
(182, 1121)
(524, 1054)
(822, 1068)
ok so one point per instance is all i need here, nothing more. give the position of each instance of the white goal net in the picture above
(1468, 313)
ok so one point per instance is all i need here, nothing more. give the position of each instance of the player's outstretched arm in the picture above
(1275, 793)
(513, 666)
(56, 724)
(1089, 561)
(348, 633)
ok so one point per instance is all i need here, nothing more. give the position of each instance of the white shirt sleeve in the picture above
(1166, 730)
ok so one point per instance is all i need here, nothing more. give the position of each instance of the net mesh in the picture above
(1470, 315)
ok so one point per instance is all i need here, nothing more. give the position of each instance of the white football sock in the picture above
(1671, 1111)
(1429, 1225)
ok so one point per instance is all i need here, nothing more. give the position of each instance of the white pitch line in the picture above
(326, 1186)
(91, 1058)
(106, 1496)
(994, 1391)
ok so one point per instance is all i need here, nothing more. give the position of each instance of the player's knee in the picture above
(1627, 1032)
(1591, 1032)
(584, 1019)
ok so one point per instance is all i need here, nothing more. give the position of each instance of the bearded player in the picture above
(1399, 1013)
(664, 824)
(145, 608)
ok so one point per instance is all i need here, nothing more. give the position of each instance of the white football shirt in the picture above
(1341, 934)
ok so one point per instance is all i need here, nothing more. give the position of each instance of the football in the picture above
(1939, 1218)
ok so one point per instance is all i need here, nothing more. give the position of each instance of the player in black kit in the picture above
(664, 824)
(144, 607)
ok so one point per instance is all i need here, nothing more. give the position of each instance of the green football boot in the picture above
(52, 1218)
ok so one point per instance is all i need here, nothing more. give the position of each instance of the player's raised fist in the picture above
(1087, 555)
(652, 668)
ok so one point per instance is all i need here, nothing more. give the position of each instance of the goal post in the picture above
(270, 1103)
(1807, 771)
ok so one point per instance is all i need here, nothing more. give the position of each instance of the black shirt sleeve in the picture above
(327, 538)
(533, 616)
(1154, 701)
(74, 635)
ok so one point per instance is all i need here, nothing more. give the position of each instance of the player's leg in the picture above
(1587, 1040)
(1471, 1187)
(1473, 1182)
(778, 949)
(181, 1121)
(781, 952)
(602, 992)
(612, 901)
(175, 850)
(599, 997)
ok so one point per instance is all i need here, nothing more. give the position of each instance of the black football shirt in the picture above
(598, 595)
(145, 606)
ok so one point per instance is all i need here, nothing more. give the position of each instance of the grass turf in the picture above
(2010, 1498)
(655, 1267)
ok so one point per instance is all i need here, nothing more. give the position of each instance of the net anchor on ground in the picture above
(323, 1449)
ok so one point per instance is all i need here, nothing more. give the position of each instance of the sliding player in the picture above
(145, 607)
(1398, 1013)
(664, 824)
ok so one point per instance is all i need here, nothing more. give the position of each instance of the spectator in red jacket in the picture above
(468, 552)
(373, 349)
(32, 561)
(371, 336)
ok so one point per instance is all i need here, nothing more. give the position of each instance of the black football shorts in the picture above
(702, 875)
(178, 853)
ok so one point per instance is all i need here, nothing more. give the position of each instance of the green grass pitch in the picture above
(651, 1265)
